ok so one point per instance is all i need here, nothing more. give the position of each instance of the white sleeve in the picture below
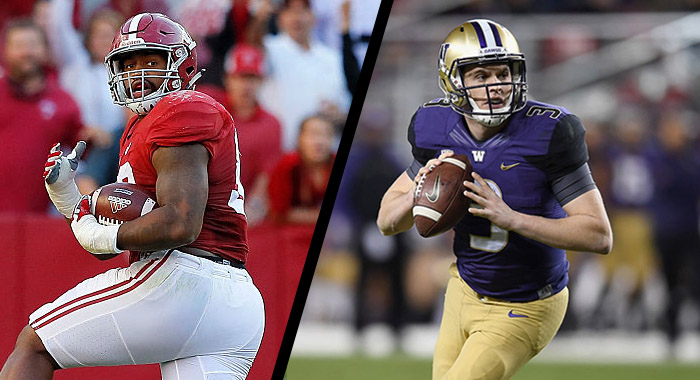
(65, 42)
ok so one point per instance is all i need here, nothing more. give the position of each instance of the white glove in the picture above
(59, 178)
(93, 236)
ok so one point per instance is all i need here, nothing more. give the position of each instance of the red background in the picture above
(41, 259)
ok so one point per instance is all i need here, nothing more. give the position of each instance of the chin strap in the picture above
(490, 118)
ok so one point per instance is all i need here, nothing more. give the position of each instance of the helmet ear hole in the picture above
(189, 70)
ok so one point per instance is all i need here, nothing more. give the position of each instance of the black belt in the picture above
(219, 260)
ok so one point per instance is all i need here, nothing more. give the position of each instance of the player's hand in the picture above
(487, 204)
(59, 178)
(432, 164)
(60, 169)
(93, 236)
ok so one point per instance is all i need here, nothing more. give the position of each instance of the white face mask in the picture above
(494, 119)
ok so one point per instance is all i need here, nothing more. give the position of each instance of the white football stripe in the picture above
(455, 161)
(68, 305)
(426, 212)
(93, 203)
(488, 33)
(147, 206)
(134, 26)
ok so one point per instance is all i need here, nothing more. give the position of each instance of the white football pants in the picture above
(198, 319)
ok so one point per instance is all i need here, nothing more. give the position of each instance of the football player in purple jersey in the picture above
(533, 197)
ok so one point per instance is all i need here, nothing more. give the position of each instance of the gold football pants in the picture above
(482, 338)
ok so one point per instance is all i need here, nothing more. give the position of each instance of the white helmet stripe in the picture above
(134, 25)
(488, 33)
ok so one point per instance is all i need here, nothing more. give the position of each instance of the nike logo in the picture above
(435, 194)
(506, 167)
(513, 315)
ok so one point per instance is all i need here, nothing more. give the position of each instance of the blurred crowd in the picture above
(557, 6)
(642, 133)
(285, 70)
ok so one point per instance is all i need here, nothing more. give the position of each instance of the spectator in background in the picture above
(298, 182)
(632, 261)
(259, 133)
(35, 112)
(130, 8)
(379, 290)
(41, 14)
(329, 19)
(305, 76)
(589, 282)
(675, 166)
(210, 24)
(351, 67)
(84, 75)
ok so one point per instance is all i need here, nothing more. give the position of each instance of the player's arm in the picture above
(181, 191)
(395, 210)
(586, 228)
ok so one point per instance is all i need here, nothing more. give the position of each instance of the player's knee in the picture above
(30, 345)
(29, 341)
(488, 365)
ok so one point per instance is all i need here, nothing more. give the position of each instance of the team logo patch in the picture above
(513, 314)
(507, 167)
(117, 203)
(442, 57)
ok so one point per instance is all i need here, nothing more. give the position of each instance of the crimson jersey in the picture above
(192, 117)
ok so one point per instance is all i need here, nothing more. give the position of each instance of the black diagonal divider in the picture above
(332, 189)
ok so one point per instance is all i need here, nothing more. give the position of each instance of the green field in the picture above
(407, 368)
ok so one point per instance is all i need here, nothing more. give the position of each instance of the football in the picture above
(439, 202)
(121, 202)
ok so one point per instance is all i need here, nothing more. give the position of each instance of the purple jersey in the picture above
(539, 145)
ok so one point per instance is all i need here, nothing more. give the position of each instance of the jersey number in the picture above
(539, 110)
(235, 201)
(499, 237)
(126, 174)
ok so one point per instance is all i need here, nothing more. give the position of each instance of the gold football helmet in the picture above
(481, 42)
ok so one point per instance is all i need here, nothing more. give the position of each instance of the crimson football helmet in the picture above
(151, 32)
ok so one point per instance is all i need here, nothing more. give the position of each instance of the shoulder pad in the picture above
(178, 98)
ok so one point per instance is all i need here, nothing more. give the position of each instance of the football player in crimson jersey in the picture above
(188, 277)
(532, 198)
